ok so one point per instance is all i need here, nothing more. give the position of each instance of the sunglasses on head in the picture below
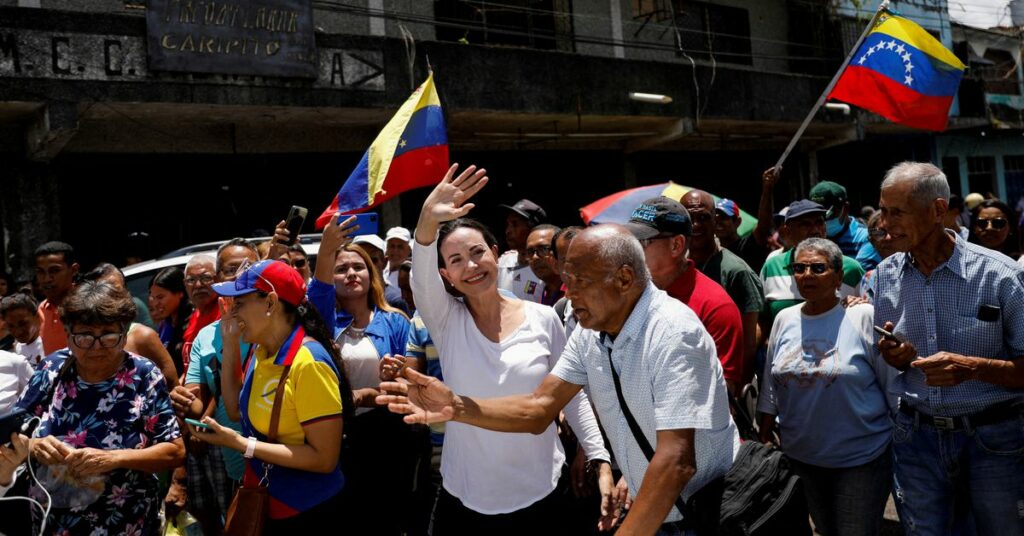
(995, 223)
(816, 267)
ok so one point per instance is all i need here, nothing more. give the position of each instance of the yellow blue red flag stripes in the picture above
(410, 152)
(902, 73)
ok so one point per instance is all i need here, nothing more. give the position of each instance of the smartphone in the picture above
(198, 424)
(19, 421)
(367, 223)
(886, 334)
(296, 217)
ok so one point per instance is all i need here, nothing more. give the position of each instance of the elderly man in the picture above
(955, 308)
(398, 249)
(540, 255)
(663, 227)
(200, 272)
(725, 268)
(631, 335)
(56, 269)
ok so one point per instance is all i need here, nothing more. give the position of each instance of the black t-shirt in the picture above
(750, 251)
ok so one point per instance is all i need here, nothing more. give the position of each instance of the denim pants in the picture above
(847, 501)
(959, 482)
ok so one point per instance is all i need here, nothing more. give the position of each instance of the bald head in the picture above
(610, 246)
(695, 198)
(605, 274)
(701, 207)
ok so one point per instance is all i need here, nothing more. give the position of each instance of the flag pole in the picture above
(828, 89)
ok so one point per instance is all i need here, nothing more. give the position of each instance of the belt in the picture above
(990, 415)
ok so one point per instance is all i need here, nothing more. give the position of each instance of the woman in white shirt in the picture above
(491, 345)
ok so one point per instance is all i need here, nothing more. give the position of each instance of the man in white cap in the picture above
(397, 251)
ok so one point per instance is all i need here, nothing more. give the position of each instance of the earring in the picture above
(268, 313)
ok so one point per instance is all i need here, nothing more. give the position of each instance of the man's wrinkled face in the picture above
(594, 287)
(907, 221)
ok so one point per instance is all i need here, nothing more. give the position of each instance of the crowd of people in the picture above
(582, 381)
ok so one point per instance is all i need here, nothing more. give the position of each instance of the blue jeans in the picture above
(847, 501)
(959, 482)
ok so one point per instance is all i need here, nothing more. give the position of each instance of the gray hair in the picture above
(928, 182)
(621, 248)
(824, 247)
(201, 259)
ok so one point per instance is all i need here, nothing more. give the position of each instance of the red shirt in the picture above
(196, 322)
(720, 317)
(52, 330)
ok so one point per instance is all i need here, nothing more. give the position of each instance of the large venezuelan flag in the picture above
(902, 73)
(410, 152)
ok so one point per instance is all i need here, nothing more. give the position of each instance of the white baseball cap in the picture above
(400, 233)
(370, 239)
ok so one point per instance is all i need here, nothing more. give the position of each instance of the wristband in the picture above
(250, 448)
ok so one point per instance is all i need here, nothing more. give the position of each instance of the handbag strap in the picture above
(638, 434)
(275, 413)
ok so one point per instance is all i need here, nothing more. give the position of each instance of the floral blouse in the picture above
(130, 410)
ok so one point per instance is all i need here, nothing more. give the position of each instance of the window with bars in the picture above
(539, 24)
(981, 174)
(707, 30)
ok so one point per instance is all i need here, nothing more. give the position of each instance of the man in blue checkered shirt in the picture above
(957, 310)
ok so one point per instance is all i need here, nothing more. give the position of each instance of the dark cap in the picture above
(830, 195)
(529, 210)
(803, 207)
(659, 216)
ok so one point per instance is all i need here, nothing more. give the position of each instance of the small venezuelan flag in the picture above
(902, 73)
(410, 152)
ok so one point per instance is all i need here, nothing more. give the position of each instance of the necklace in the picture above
(354, 332)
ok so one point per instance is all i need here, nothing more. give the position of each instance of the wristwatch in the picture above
(250, 448)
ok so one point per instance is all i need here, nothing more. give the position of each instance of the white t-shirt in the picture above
(33, 351)
(15, 372)
(391, 276)
(361, 363)
(497, 472)
(519, 279)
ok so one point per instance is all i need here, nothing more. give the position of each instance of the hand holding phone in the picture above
(886, 334)
(296, 217)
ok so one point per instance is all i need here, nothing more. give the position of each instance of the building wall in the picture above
(995, 144)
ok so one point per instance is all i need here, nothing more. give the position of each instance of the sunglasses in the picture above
(542, 251)
(876, 233)
(816, 267)
(297, 263)
(994, 223)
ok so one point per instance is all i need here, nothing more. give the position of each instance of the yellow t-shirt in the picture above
(310, 394)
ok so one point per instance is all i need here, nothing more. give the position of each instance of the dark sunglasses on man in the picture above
(816, 267)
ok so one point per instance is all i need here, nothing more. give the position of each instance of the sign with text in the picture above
(258, 37)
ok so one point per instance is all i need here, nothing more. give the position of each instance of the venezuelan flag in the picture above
(902, 73)
(410, 152)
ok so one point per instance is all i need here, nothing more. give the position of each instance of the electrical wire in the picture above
(49, 500)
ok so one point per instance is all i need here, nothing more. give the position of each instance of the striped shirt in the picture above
(944, 311)
(780, 290)
(421, 346)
